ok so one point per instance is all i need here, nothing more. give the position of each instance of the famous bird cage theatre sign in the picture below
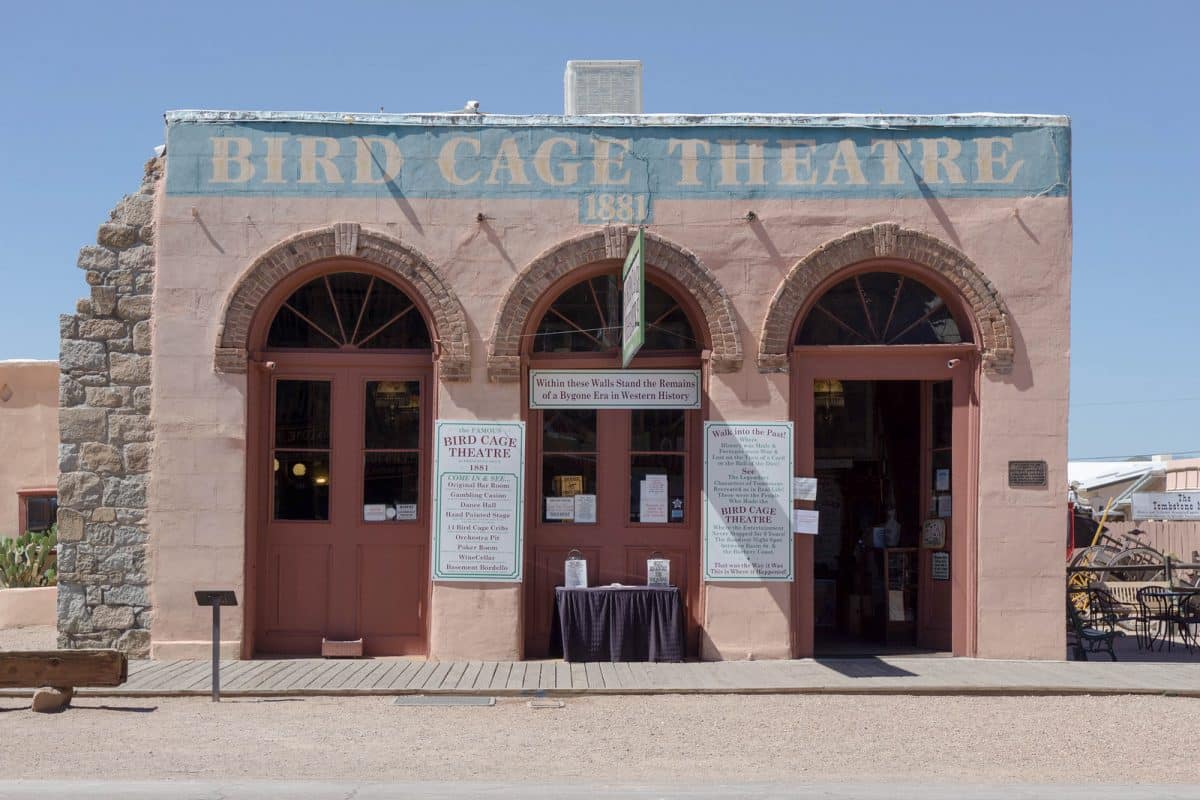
(478, 501)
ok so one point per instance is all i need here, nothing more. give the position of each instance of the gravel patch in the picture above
(688, 739)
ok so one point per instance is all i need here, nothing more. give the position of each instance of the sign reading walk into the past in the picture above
(748, 501)
(478, 501)
(633, 289)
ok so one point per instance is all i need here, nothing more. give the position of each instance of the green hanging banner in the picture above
(633, 290)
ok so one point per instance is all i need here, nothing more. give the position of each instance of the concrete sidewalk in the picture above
(884, 675)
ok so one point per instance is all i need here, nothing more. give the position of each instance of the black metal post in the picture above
(216, 653)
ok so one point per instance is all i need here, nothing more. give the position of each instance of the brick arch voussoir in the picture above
(344, 240)
(887, 240)
(611, 242)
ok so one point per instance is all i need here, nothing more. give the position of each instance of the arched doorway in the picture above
(884, 366)
(611, 453)
(340, 423)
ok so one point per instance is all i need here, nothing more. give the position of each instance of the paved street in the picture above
(281, 790)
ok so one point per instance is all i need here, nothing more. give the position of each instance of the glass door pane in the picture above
(300, 457)
(391, 455)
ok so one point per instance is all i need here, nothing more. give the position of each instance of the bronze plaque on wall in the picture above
(1027, 474)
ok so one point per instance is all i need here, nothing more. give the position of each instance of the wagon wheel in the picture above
(1095, 556)
(1136, 557)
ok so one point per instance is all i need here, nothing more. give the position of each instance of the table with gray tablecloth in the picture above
(618, 623)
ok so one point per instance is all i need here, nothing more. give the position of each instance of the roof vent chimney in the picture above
(603, 87)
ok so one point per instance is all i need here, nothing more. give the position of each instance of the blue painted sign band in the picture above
(616, 173)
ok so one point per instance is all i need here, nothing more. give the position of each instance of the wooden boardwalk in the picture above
(885, 675)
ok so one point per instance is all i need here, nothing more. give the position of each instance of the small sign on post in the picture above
(216, 598)
(633, 288)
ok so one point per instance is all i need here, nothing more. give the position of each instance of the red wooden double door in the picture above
(343, 550)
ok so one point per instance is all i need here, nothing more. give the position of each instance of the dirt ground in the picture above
(689, 739)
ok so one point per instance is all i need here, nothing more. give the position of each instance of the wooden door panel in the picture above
(301, 578)
(391, 583)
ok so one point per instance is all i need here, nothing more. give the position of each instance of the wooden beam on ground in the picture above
(62, 668)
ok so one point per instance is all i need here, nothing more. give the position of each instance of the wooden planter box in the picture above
(335, 649)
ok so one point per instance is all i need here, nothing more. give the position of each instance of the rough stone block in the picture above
(141, 399)
(101, 329)
(135, 209)
(76, 354)
(141, 336)
(70, 525)
(136, 307)
(82, 425)
(107, 396)
(70, 391)
(127, 596)
(116, 235)
(68, 457)
(104, 300)
(66, 326)
(112, 617)
(94, 257)
(104, 514)
(101, 458)
(79, 490)
(137, 259)
(131, 370)
(137, 457)
(135, 643)
(125, 492)
(126, 428)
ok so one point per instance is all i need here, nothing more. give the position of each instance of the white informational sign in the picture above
(575, 573)
(941, 566)
(374, 512)
(633, 287)
(804, 521)
(653, 499)
(612, 388)
(942, 480)
(1166, 505)
(585, 507)
(944, 505)
(478, 501)
(748, 501)
(933, 533)
(560, 508)
(658, 572)
(406, 511)
(804, 489)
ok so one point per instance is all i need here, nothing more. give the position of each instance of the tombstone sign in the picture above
(748, 501)
(1166, 505)
(478, 500)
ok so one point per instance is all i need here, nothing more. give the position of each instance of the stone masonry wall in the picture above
(106, 435)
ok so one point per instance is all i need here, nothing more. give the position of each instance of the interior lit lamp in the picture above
(276, 462)
(298, 469)
(321, 480)
(828, 395)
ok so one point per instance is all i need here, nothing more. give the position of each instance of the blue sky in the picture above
(84, 87)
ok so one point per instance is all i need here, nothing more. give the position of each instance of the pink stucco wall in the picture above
(197, 495)
(29, 431)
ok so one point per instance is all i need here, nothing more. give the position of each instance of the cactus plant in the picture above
(29, 560)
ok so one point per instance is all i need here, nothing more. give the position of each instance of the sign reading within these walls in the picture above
(626, 388)
(748, 501)
(478, 501)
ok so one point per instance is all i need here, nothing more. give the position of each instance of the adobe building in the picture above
(29, 431)
(294, 307)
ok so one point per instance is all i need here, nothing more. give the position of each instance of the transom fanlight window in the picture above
(586, 318)
(880, 308)
(349, 310)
